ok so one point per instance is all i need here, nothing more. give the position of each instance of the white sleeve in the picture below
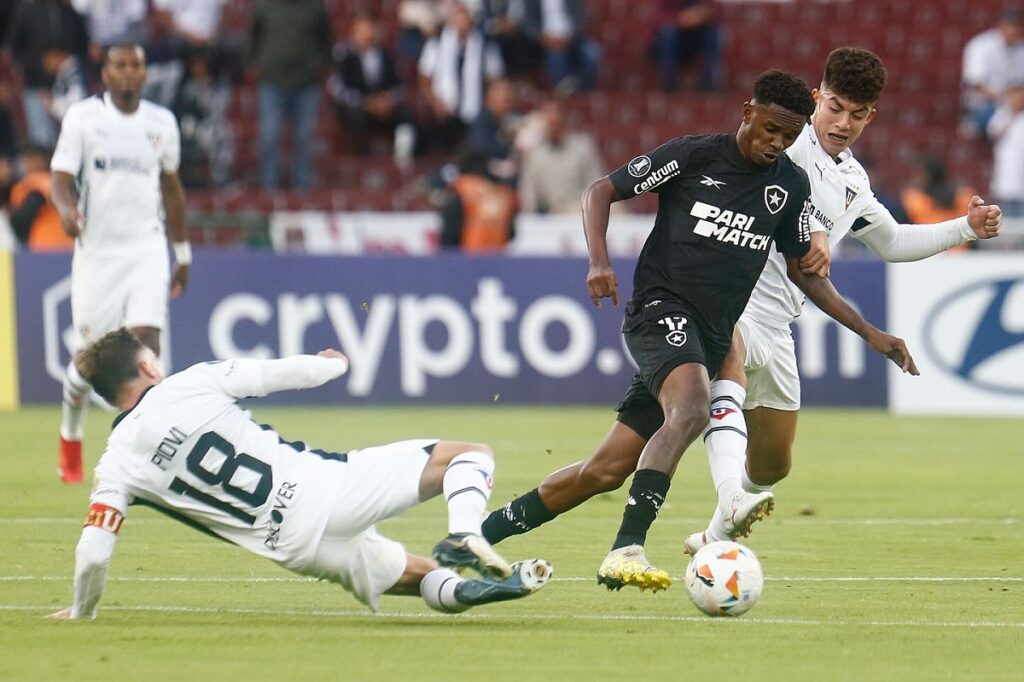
(1000, 122)
(96, 546)
(254, 378)
(898, 243)
(428, 58)
(67, 156)
(975, 66)
(170, 156)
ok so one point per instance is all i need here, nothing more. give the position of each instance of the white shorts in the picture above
(123, 290)
(379, 483)
(772, 377)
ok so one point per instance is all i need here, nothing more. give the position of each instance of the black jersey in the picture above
(718, 214)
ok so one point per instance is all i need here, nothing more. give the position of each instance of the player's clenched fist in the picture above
(601, 283)
(985, 220)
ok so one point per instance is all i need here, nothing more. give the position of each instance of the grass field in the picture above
(911, 567)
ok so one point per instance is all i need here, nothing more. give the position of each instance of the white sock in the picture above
(76, 390)
(467, 488)
(438, 589)
(752, 487)
(726, 438)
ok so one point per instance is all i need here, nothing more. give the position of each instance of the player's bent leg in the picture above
(465, 474)
(605, 470)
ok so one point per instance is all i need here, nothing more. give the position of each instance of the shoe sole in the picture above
(532, 574)
(646, 580)
(759, 512)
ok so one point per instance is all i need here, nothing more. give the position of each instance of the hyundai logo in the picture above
(977, 334)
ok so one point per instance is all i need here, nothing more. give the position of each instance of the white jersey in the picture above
(188, 449)
(842, 201)
(117, 159)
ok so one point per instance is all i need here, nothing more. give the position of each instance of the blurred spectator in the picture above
(991, 60)
(8, 144)
(503, 24)
(110, 22)
(368, 92)
(932, 198)
(193, 22)
(687, 30)
(179, 28)
(478, 214)
(207, 143)
(290, 49)
(33, 218)
(1007, 132)
(69, 84)
(418, 22)
(557, 170)
(558, 26)
(38, 26)
(493, 132)
(454, 68)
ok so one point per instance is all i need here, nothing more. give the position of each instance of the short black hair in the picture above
(855, 74)
(127, 45)
(110, 363)
(784, 89)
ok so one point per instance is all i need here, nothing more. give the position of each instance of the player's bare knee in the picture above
(602, 477)
(688, 420)
(769, 474)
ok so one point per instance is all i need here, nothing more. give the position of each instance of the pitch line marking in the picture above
(406, 615)
(298, 579)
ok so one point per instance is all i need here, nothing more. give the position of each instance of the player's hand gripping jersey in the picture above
(188, 449)
(718, 216)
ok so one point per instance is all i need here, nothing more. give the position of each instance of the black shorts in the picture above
(661, 334)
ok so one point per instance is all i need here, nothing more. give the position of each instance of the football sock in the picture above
(467, 487)
(438, 589)
(76, 392)
(726, 438)
(646, 495)
(522, 514)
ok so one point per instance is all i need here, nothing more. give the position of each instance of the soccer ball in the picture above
(724, 579)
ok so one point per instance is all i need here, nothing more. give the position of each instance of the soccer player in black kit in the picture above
(723, 200)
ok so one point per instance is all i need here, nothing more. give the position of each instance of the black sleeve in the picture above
(653, 170)
(793, 237)
(451, 221)
(25, 215)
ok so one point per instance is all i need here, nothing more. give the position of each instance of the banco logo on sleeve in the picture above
(977, 334)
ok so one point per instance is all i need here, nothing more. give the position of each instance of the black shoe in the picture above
(527, 577)
(465, 550)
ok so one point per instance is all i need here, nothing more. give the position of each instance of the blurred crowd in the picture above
(483, 83)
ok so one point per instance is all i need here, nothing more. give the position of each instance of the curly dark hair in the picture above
(110, 363)
(855, 74)
(786, 90)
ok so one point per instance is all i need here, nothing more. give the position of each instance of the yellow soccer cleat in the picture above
(628, 566)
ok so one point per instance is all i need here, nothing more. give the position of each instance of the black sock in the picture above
(646, 495)
(522, 514)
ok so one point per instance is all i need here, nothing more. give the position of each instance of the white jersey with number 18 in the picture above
(188, 449)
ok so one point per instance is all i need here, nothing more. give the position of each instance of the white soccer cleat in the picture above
(696, 542)
(743, 510)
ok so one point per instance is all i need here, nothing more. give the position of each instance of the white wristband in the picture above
(182, 253)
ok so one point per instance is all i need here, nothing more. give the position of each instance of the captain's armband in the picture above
(102, 516)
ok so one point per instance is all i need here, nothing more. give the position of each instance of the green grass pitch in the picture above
(910, 568)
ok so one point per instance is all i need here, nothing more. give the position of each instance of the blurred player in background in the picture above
(760, 373)
(184, 447)
(700, 189)
(115, 184)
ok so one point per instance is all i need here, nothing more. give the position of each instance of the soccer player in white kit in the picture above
(115, 184)
(760, 373)
(185, 447)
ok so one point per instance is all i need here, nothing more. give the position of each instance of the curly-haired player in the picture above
(723, 201)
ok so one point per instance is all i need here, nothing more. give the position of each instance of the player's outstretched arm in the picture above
(825, 296)
(174, 211)
(597, 201)
(253, 378)
(92, 559)
(898, 243)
